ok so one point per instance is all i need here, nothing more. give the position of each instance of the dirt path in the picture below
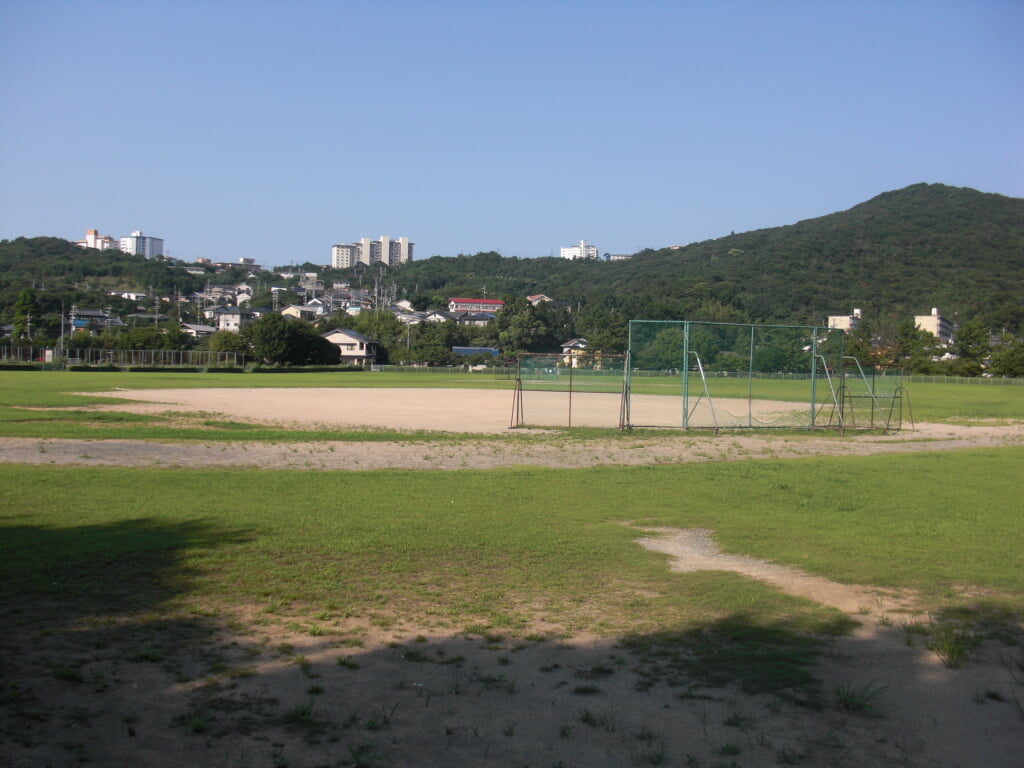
(468, 453)
(694, 549)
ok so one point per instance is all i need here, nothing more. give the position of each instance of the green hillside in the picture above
(896, 255)
(901, 252)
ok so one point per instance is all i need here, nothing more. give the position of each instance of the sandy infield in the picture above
(446, 410)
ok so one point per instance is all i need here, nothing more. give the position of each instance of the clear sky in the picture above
(273, 129)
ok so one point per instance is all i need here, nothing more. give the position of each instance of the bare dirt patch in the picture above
(466, 412)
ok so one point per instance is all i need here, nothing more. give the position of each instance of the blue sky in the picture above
(273, 130)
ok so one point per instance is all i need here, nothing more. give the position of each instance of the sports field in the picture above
(283, 570)
(432, 409)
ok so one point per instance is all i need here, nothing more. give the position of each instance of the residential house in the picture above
(408, 317)
(475, 305)
(228, 318)
(436, 316)
(474, 318)
(92, 320)
(572, 350)
(197, 330)
(355, 348)
(308, 312)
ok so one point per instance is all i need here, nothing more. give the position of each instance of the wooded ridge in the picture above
(899, 254)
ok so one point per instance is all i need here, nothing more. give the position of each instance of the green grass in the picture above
(495, 547)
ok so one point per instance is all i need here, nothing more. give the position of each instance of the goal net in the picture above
(705, 375)
(573, 388)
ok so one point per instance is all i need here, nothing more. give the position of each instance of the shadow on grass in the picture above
(739, 650)
(97, 668)
(76, 605)
(124, 567)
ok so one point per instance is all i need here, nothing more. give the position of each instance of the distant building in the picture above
(936, 325)
(581, 251)
(475, 305)
(92, 320)
(197, 330)
(345, 256)
(572, 350)
(138, 244)
(303, 311)
(844, 322)
(228, 318)
(391, 251)
(618, 256)
(93, 239)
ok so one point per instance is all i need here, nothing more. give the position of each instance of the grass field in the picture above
(118, 586)
(925, 522)
(502, 540)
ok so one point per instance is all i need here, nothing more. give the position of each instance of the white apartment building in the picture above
(140, 245)
(581, 251)
(93, 239)
(391, 251)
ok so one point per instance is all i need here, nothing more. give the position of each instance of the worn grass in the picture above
(501, 547)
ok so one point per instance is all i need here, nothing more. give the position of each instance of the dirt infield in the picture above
(446, 410)
(485, 413)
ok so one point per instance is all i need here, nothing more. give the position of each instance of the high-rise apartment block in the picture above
(140, 245)
(391, 251)
(581, 251)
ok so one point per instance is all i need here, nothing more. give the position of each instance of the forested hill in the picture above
(902, 253)
(896, 255)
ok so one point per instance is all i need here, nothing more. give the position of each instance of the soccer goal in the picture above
(571, 389)
(705, 375)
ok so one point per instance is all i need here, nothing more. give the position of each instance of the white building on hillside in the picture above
(93, 239)
(140, 245)
(936, 325)
(581, 251)
(844, 322)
